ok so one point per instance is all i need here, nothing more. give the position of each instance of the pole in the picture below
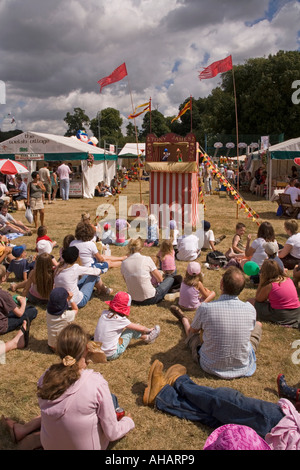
(191, 106)
(237, 140)
(137, 144)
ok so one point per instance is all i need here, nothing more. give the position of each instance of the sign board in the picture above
(76, 189)
(29, 156)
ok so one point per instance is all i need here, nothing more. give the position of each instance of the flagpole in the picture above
(137, 144)
(237, 139)
(150, 115)
(191, 106)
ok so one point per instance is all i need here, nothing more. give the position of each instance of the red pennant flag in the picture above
(214, 69)
(115, 76)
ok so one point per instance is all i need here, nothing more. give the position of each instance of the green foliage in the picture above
(77, 121)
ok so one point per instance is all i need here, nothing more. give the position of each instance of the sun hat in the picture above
(193, 268)
(120, 303)
(271, 248)
(58, 302)
(235, 437)
(106, 226)
(44, 246)
(70, 254)
(18, 250)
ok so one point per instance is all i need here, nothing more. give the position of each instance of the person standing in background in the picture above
(64, 172)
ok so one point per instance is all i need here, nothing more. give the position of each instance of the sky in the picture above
(53, 53)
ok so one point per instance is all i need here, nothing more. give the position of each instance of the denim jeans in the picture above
(15, 322)
(215, 407)
(65, 189)
(126, 337)
(86, 285)
(161, 290)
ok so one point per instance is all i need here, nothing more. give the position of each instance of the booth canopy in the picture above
(53, 147)
(132, 150)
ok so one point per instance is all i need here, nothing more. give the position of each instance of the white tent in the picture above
(29, 147)
(130, 152)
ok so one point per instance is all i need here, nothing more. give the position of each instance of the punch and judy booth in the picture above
(172, 163)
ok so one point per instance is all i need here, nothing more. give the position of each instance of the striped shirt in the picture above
(227, 324)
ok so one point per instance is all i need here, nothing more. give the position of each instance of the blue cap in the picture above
(18, 250)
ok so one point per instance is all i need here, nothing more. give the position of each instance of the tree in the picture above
(77, 121)
(110, 123)
(159, 126)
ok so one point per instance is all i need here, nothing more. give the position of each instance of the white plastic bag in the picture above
(29, 215)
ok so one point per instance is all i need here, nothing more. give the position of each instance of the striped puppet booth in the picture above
(172, 163)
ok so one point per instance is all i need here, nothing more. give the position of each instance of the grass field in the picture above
(127, 376)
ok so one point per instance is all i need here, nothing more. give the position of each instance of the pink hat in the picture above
(120, 303)
(235, 437)
(193, 268)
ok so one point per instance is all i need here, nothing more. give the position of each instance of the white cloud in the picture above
(53, 53)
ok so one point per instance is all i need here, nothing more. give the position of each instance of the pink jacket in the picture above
(83, 418)
(286, 434)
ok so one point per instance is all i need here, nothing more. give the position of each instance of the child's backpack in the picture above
(216, 258)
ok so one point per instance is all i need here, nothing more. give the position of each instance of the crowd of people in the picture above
(77, 409)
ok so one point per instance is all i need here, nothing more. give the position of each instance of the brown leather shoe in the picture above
(156, 382)
(173, 373)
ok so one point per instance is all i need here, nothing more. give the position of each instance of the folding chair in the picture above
(288, 210)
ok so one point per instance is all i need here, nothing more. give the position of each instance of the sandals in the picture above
(26, 332)
(177, 312)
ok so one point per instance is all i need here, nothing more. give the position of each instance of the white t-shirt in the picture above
(108, 331)
(294, 240)
(87, 251)
(68, 278)
(259, 255)
(56, 323)
(293, 192)
(208, 237)
(63, 171)
(188, 248)
(136, 270)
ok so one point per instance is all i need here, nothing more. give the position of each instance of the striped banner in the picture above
(175, 191)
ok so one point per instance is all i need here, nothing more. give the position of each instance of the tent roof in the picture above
(52, 146)
(287, 150)
(132, 150)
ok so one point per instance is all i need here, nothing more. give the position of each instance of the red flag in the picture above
(115, 76)
(216, 67)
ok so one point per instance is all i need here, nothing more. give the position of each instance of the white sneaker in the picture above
(172, 297)
(153, 334)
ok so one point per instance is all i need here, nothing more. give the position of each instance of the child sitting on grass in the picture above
(115, 331)
(19, 266)
(192, 290)
(42, 235)
(61, 311)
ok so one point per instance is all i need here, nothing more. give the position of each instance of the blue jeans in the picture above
(161, 290)
(86, 285)
(215, 407)
(126, 336)
(64, 189)
(15, 322)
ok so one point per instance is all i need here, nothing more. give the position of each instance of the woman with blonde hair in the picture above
(137, 271)
(276, 297)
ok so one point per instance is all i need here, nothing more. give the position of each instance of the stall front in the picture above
(91, 164)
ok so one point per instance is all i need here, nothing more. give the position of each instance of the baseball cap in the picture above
(235, 437)
(206, 225)
(18, 250)
(58, 302)
(120, 303)
(106, 226)
(44, 246)
(193, 268)
(271, 248)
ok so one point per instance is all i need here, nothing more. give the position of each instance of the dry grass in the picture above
(128, 375)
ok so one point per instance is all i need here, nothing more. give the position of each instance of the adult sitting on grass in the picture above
(290, 253)
(137, 270)
(175, 393)
(230, 333)
(80, 280)
(12, 225)
(88, 251)
(13, 311)
(276, 299)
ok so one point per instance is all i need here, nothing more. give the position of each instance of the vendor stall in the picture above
(91, 164)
